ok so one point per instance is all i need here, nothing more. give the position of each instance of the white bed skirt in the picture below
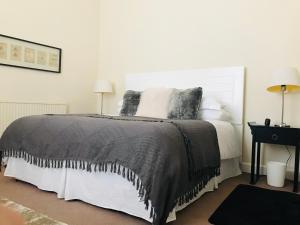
(107, 190)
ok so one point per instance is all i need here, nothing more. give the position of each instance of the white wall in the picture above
(157, 35)
(69, 24)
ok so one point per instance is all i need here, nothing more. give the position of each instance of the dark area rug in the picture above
(250, 205)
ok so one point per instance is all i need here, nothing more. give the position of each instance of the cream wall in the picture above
(157, 35)
(69, 24)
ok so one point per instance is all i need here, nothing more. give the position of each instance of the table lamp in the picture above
(284, 80)
(101, 87)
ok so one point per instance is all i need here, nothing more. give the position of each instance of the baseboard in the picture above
(246, 168)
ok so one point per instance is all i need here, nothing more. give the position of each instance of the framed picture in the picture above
(29, 55)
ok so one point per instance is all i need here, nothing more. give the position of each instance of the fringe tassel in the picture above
(119, 169)
(190, 195)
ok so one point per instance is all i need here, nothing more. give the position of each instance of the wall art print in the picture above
(21, 53)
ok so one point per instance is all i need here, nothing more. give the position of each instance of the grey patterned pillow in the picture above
(131, 100)
(184, 104)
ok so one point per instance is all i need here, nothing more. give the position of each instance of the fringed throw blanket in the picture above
(169, 161)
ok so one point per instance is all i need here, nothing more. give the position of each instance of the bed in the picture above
(226, 84)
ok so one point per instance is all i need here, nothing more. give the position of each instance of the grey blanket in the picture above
(168, 161)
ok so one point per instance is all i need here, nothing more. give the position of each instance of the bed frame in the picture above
(225, 84)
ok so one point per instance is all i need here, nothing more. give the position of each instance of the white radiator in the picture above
(10, 111)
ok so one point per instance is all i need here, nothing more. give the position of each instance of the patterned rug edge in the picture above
(30, 216)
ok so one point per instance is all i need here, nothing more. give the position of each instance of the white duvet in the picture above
(227, 138)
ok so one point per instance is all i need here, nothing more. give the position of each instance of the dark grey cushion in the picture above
(184, 104)
(131, 100)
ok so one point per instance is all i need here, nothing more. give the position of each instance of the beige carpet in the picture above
(79, 213)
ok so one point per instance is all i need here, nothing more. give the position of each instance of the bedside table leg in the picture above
(296, 169)
(252, 162)
(257, 161)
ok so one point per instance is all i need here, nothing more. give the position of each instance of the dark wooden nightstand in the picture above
(273, 135)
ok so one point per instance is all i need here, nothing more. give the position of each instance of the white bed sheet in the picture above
(227, 139)
(122, 195)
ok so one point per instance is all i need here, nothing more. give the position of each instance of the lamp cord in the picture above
(290, 155)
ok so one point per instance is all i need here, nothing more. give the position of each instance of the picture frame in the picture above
(16, 52)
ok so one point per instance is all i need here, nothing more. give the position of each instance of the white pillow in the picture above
(213, 114)
(154, 102)
(210, 103)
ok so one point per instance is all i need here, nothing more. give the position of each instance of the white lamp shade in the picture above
(103, 86)
(287, 76)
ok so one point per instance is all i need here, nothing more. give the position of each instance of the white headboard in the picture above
(226, 84)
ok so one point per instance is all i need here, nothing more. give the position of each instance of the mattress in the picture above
(122, 196)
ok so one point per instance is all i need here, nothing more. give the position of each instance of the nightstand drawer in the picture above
(274, 135)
